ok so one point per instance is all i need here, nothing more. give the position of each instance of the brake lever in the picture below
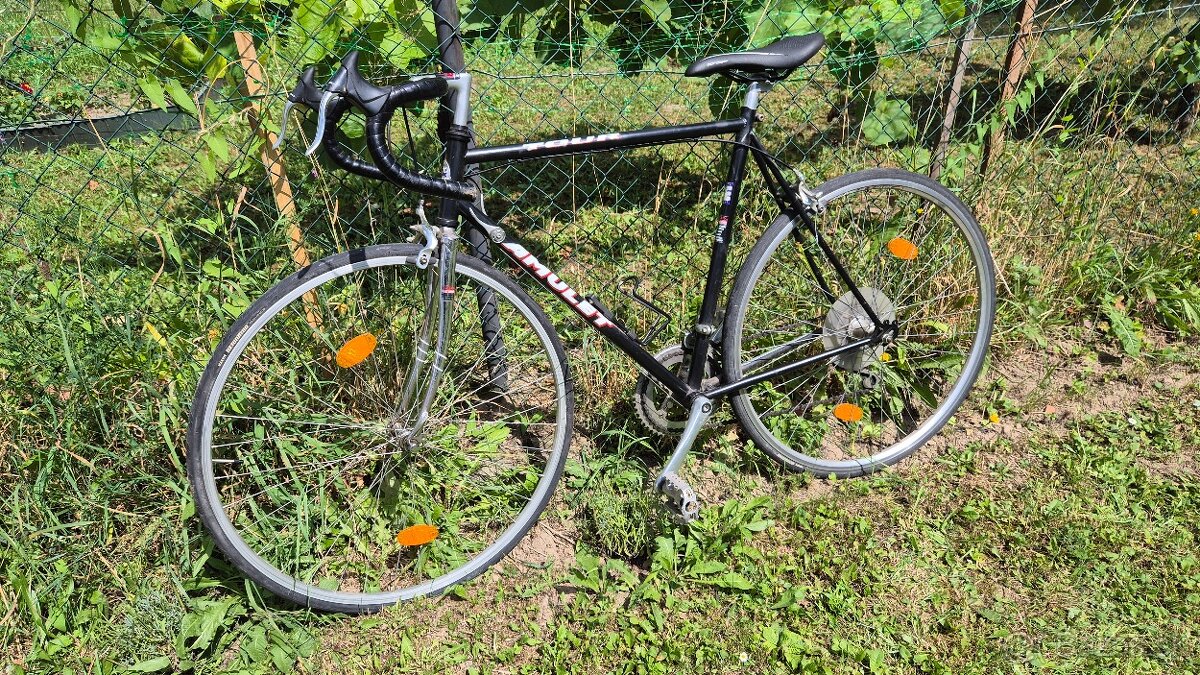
(322, 114)
(306, 93)
(287, 109)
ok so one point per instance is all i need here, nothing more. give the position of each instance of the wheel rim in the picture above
(348, 525)
(828, 418)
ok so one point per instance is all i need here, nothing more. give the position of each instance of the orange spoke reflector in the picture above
(847, 412)
(417, 535)
(356, 350)
(903, 248)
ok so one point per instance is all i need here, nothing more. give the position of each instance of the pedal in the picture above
(680, 500)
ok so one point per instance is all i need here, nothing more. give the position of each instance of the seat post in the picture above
(754, 92)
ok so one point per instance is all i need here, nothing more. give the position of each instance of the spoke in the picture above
(351, 459)
(291, 421)
(321, 499)
(780, 351)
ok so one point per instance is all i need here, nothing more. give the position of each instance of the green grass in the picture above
(1073, 550)
(1042, 543)
(1053, 545)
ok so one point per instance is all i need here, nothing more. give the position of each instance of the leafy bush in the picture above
(192, 40)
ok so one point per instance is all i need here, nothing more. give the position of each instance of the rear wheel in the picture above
(919, 259)
(301, 463)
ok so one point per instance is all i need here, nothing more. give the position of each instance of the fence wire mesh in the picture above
(137, 219)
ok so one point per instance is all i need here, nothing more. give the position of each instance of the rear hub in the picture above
(848, 322)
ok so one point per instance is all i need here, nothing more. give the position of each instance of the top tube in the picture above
(601, 142)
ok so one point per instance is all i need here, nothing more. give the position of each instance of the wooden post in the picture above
(252, 86)
(962, 55)
(1015, 66)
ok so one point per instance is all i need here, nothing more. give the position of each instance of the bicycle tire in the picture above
(202, 471)
(806, 429)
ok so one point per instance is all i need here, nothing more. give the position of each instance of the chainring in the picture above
(656, 409)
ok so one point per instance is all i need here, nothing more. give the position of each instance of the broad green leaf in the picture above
(216, 67)
(207, 164)
(759, 525)
(399, 48)
(707, 567)
(664, 554)
(225, 6)
(890, 121)
(255, 646)
(314, 30)
(770, 21)
(1128, 331)
(219, 146)
(100, 31)
(659, 11)
(149, 665)
(953, 10)
(74, 18)
(930, 24)
(771, 635)
(202, 624)
(153, 91)
(793, 647)
(735, 581)
(184, 54)
(358, 12)
(181, 97)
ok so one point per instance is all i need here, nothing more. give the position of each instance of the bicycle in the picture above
(355, 441)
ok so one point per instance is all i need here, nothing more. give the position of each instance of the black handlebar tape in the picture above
(338, 152)
(377, 144)
(374, 100)
(379, 104)
(425, 89)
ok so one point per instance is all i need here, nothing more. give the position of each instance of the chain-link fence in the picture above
(137, 218)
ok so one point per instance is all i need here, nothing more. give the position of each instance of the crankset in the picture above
(659, 412)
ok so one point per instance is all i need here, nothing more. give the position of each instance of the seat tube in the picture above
(705, 328)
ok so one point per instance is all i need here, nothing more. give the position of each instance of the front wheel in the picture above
(921, 263)
(311, 478)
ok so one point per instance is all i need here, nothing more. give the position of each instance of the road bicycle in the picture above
(364, 435)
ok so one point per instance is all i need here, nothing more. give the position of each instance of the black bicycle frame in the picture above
(746, 144)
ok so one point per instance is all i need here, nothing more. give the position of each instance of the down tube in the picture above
(594, 317)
